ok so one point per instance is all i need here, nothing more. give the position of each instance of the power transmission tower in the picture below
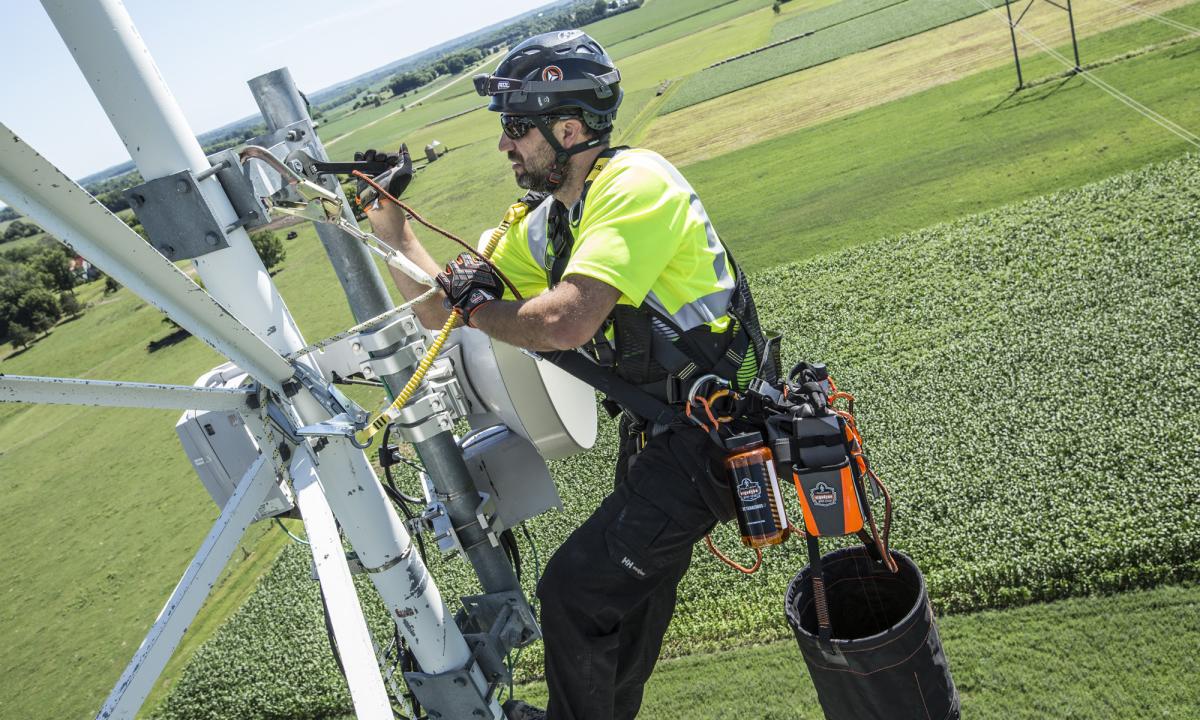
(1012, 29)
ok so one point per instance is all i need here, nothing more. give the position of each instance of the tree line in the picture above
(572, 16)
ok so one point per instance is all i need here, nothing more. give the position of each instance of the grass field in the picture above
(1001, 429)
(965, 146)
(878, 76)
(1112, 658)
(834, 37)
(930, 157)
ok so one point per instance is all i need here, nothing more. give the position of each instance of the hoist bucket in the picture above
(885, 660)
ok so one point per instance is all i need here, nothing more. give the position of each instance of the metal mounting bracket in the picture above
(504, 619)
(177, 218)
(450, 695)
(251, 211)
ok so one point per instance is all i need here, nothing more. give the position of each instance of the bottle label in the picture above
(758, 500)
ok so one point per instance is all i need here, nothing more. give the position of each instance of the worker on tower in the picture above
(618, 258)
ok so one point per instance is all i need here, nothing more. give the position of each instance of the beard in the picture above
(534, 173)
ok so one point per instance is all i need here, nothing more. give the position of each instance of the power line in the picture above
(1161, 120)
(1156, 16)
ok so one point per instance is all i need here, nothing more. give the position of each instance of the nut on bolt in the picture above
(181, 186)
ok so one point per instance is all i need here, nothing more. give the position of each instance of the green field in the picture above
(1032, 455)
(837, 33)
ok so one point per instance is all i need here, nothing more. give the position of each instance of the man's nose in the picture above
(506, 143)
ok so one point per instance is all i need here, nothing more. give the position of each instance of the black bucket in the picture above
(885, 661)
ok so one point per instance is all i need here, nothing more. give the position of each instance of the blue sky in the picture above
(207, 50)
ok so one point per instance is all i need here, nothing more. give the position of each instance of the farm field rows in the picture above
(995, 423)
(837, 38)
(889, 72)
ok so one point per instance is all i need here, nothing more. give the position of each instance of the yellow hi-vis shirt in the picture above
(644, 232)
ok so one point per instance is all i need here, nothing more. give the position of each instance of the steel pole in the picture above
(1012, 31)
(1074, 40)
(111, 393)
(106, 46)
(281, 105)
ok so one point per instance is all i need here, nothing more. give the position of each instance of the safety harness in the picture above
(650, 363)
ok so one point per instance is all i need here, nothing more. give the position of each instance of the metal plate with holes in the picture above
(449, 696)
(177, 218)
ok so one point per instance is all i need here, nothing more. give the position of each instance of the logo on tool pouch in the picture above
(503, 85)
(748, 490)
(822, 495)
(552, 73)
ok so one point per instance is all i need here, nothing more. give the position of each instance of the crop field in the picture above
(993, 355)
(994, 359)
(893, 71)
(892, 21)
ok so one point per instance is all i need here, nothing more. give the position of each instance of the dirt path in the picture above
(874, 77)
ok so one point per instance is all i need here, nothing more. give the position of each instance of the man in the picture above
(616, 254)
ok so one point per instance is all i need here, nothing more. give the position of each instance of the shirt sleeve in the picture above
(632, 224)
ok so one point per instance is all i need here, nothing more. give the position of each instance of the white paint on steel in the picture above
(193, 588)
(117, 65)
(110, 393)
(39, 190)
(367, 691)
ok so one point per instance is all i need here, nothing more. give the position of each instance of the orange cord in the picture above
(725, 559)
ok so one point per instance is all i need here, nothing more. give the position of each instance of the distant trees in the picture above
(451, 64)
(19, 229)
(269, 248)
(35, 290)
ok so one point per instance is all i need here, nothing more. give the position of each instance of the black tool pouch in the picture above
(886, 660)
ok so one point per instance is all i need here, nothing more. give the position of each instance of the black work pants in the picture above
(608, 593)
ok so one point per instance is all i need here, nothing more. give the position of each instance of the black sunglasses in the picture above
(517, 126)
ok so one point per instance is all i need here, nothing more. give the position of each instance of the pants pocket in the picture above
(632, 537)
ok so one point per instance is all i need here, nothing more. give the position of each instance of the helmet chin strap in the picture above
(563, 155)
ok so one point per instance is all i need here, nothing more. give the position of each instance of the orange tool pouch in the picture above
(825, 460)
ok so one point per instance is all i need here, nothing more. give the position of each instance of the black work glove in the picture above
(469, 284)
(395, 179)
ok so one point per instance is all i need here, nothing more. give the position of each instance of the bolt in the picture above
(137, 200)
(294, 135)
(416, 682)
(356, 347)
(181, 186)
(461, 682)
(211, 238)
(167, 250)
